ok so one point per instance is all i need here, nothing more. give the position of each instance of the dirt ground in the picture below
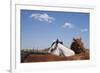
(49, 57)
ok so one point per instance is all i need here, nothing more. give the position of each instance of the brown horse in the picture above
(77, 45)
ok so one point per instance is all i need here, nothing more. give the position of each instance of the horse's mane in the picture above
(57, 41)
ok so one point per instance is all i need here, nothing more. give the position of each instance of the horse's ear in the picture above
(74, 39)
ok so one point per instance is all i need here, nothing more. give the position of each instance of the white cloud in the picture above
(84, 30)
(68, 25)
(43, 17)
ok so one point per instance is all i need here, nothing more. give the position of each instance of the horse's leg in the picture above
(49, 50)
(61, 52)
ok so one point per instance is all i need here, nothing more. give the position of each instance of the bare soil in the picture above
(50, 57)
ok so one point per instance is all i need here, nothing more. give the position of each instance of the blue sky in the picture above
(40, 28)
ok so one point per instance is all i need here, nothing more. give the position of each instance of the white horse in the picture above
(58, 49)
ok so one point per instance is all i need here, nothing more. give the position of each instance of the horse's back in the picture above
(66, 51)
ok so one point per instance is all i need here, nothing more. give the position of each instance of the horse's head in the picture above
(77, 45)
(54, 45)
(78, 42)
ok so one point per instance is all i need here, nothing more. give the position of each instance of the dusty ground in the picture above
(49, 57)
